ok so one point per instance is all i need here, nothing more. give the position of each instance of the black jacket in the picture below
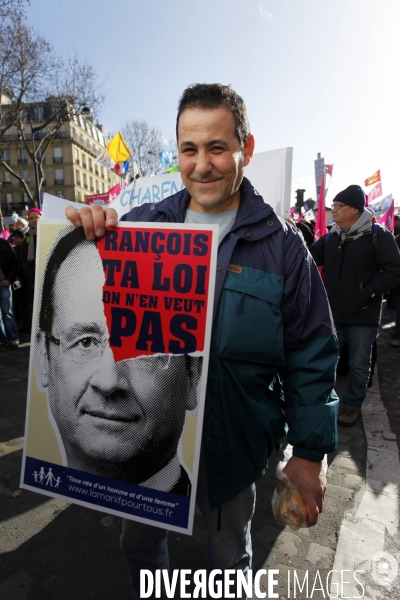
(27, 266)
(358, 273)
(8, 260)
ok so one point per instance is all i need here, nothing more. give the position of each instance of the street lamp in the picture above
(35, 165)
(86, 111)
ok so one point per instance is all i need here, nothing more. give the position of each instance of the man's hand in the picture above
(93, 218)
(309, 478)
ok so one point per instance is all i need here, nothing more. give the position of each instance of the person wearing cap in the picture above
(27, 255)
(361, 263)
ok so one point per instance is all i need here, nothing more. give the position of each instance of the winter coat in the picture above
(27, 266)
(358, 271)
(273, 346)
(8, 261)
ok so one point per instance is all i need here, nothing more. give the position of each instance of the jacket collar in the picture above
(252, 207)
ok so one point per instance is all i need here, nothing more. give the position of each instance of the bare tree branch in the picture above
(7, 7)
(36, 85)
(145, 143)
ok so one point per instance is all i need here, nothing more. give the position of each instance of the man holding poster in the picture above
(273, 344)
(108, 412)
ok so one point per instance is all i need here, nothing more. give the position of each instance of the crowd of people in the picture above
(17, 279)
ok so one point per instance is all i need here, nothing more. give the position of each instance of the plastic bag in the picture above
(288, 504)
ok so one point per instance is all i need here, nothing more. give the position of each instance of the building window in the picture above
(38, 113)
(76, 155)
(60, 194)
(102, 187)
(6, 177)
(109, 176)
(78, 177)
(40, 156)
(5, 156)
(90, 165)
(22, 160)
(44, 182)
(9, 199)
(97, 187)
(25, 175)
(85, 181)
(59, 177)
(91, 184)
(84, 165)
(102, 171)
(37, 135)
(57, 155)
(96, 169)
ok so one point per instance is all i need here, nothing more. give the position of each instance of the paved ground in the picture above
(51, 550)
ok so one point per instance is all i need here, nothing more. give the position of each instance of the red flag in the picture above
(388, 218)
(375, 192)
(329, 169)
(374, 178)
(320, 224)
(366, 200)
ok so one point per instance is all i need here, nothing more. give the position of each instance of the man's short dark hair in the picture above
(59, 252)
(214, 95)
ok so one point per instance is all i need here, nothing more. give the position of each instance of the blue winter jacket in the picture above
(273, 348)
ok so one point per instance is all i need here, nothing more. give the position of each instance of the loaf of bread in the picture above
(291, 509)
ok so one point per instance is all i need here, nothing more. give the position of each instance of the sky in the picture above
(317, 76)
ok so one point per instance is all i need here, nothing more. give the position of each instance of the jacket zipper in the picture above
(341, 256)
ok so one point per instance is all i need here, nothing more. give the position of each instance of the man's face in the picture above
(33, 218)
(211, 159)
(108, 413)
(343, 215)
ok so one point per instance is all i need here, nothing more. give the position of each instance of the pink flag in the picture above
(388, 218)
(375, 192)
(104, 198)
(329, 169)
(320, 224)
(114, 192)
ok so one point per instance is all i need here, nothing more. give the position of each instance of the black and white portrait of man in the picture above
(118, 419)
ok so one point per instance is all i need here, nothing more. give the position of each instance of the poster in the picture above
(118, 368)
(270, 172)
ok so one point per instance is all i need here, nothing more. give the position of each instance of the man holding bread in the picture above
(273, 345)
